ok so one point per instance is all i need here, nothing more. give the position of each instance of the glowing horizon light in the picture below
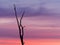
(3, 21)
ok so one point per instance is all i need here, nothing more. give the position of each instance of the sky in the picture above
(41, 21)
(32, 7)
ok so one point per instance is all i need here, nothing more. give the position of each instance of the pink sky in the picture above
(7, 41)
(41, 22)
(35, 27)
(39, 30)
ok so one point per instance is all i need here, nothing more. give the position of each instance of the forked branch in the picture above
(21, 28)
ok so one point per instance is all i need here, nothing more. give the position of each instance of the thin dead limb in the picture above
(21, 28)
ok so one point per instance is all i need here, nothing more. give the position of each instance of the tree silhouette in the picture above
(21, 28)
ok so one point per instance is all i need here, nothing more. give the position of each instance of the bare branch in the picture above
(17, 20)
(16, 15)
(21, 18)
(21, 28)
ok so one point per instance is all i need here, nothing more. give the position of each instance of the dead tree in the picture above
(21, 28)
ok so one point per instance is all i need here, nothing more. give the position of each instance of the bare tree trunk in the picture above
(21, 28)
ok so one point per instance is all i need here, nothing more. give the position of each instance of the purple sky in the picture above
(42, 18)
(32, 7)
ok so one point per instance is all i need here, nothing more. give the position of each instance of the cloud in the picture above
(32, 7)
(9, 33)
(8, 12)
(36, 27)
(42, 34)
(30, 33)
(19, 3)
